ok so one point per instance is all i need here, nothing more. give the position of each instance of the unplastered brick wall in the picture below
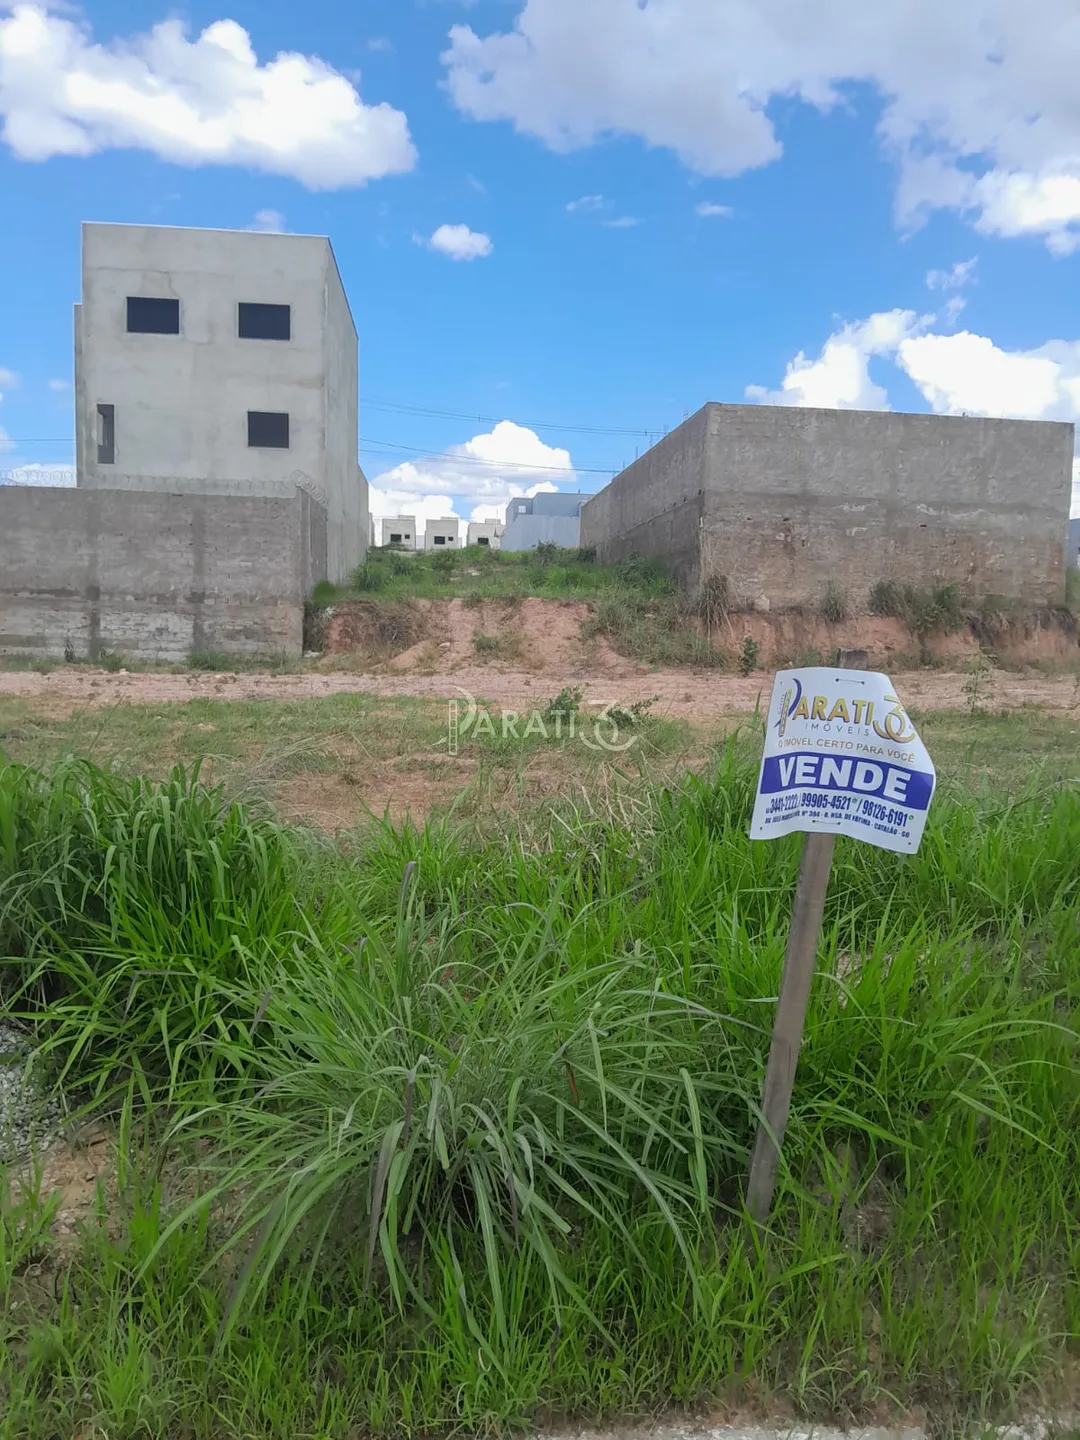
(155, 575)
(783, 502)
(797, 500)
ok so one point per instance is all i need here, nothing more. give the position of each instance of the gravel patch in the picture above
(30, 1119)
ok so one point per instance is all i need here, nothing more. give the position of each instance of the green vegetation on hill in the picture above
(445, 1130)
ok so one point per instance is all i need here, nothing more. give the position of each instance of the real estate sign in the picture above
(842, 758)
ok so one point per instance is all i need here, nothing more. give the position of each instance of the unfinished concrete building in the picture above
(219, 362)
(216, 453)
(784, 502)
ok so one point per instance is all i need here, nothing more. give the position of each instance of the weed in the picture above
(834, 606)
(487, 644)
(473, 599)
(449, 1131)
(111, 660)
(978, 682)
(316, 618)
(71, 655)
(368, 577)
(398, 564)
(546, 552)
(714, 600)
(566, 702)
(923, 611)
(444, 563)
(585, 555)
(751, 655)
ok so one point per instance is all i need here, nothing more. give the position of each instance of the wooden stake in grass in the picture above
(800, 961)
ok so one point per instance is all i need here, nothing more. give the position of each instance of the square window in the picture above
(268, 430)
(395, 539)
(440, 539)
(106, 435)
(147, 316)
(482, 540)
(264, 322)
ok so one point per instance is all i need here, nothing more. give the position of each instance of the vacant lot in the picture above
(445, 1125)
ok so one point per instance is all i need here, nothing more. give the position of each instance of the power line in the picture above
(453, 459)
(495, 420)
(442, 456)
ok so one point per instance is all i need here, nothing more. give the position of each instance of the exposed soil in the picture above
(696, 696)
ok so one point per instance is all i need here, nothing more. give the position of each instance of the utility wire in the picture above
(495, 420)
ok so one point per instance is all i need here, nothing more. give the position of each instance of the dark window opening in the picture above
(482, 540)
(268, 430)
(106, 435)
(146, 316)
(265, 322)
(440, 539)
(395, 539)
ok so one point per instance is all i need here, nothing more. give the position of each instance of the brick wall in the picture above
(155, 575)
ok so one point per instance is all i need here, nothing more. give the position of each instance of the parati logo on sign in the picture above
(831, 712)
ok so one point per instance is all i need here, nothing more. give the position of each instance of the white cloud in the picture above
(6, 442)
(271, 222)
(461, 243)
(707, 207)
(955, 278)
(969, 374)
(206, 101)
(8, 378)
(484, 472)
(978, 96)
(380, 44)
(624, 222)
(59, 384)
(586, 202)
(840, 377)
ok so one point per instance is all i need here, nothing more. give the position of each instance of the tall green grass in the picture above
(447, 1130)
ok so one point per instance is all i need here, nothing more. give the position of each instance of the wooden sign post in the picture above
(800, 961)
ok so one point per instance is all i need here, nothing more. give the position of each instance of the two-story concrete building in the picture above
(220, 362)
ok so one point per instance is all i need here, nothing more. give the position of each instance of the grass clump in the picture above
(925, 611)
(457, 1125)
(834, 606)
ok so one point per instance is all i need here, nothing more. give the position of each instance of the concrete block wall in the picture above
(786, 501)
(655, 506)
(155, 575)
(797, 499)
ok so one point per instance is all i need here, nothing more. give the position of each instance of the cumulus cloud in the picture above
(270, 222)
(59, 384)
(8, 378)
(481, 475)
(840, 376)
(708, 207)
(968, 374)
(206, 101)
(460, 243)
(978, 96)
(623, 222)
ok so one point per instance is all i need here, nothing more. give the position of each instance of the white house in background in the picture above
(485, 532)
(400, 530)
(442, 534)
(219, 362)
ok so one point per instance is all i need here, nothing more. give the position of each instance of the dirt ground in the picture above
(695, 696)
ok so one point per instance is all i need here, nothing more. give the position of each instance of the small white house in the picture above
(485, 532)
(399, 530)
(442, 534)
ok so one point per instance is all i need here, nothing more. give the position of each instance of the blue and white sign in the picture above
(842, 757)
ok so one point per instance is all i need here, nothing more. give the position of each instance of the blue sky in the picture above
(564, 224)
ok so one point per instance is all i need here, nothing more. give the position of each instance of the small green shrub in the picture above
(923, 611)
(444, 563)
(398, 564)
(546, 552)
(112, 661)
(586, 555)
(487, 644)
(751, 653)
(473, 600)
(367, 577)
(566, 702)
